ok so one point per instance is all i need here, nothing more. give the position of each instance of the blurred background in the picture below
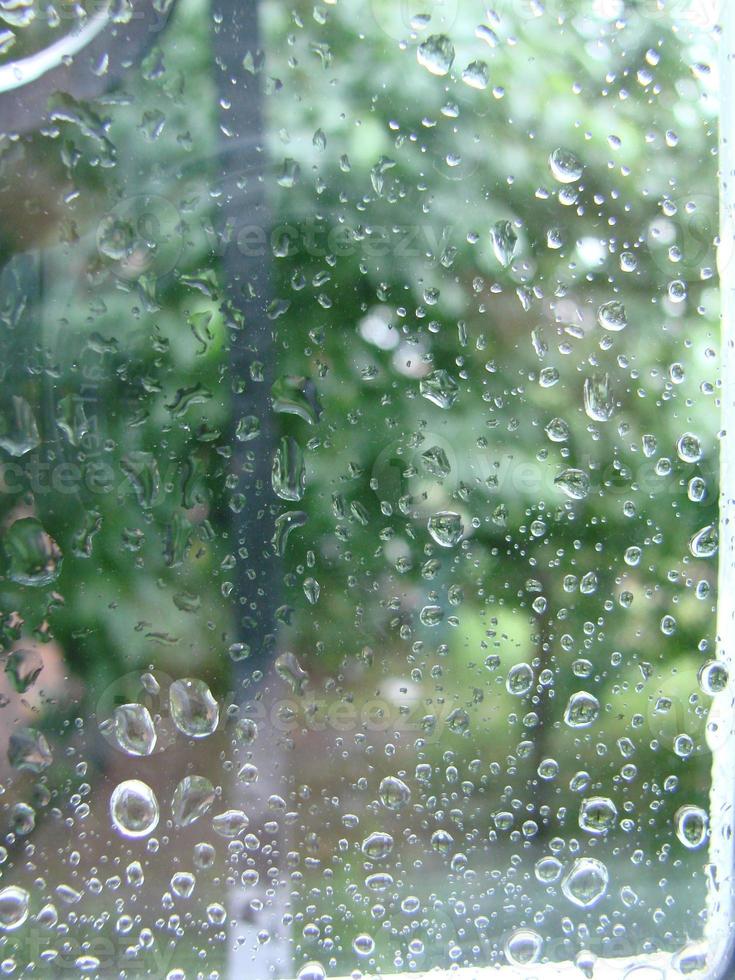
(478, 281)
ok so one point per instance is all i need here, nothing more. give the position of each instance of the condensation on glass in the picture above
(365, 476)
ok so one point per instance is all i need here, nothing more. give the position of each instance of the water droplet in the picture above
(312, 590)
(691, 824)
(193, 709)
(582, 710)
(192, 798)
(134, 729)
(288, 473)
(393, 792)
(436, 462)
(689, 448)
(312, 971)
(458, 721)
(586, 882)
(364, 944)
(504, 240)
(18, 429)
(446, 528)
(476, 75)
(557, 430)
(523, 947)
(133, 808)
(519, 680)
(713, 677)
(574, 483)
(565, 166)
(431, 615)
(290, 670)
(599, 401)
(14, 903)
(377, 846)
(183, 884)
(436, 54)
(705, 542)
(34, 558)
(677, 291)
(28, 750)
(23, 667)
(296, 395)
(612, 316)
(597, 815)
(230, 823)
(440, 388)
(548, 870)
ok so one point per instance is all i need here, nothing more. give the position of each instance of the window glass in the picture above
(359, 462)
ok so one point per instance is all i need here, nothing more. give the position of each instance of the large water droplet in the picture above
(193, 709)
(689, 448)
(288, 474)
(713, 677)
(440, 388)
(575, 483)
(134, 730)
(33, 556)
(523, 947)
(18, 429)
(134, 808)
(192, 798)
(296, 395)
(290, 670)
(446, 528)
(28, 750)
(436, 54)
(599, 401)
(691, 824)
(393, 792)
(13, 907)
(504, 241)
(565, 166)
(586, 882)
(704, 543)
(597, 815)
(377, 846)
(23, 668)
(557, 430)
(582, 710)
(519, 680)
(476, 75)
(612, 316)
